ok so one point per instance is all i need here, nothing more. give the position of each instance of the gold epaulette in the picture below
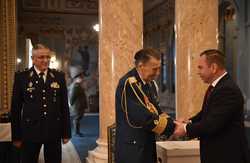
(132, 80)
(129, 81)
(160, 124)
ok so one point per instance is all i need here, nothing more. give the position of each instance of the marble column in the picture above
(196, 30)
(121, 25)
(7, 51)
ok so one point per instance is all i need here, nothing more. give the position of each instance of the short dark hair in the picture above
(144, 55)
(214, 56)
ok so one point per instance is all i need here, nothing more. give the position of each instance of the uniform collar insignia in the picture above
(31, 73)
(52, 75)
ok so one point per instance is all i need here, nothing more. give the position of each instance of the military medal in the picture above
(30, 84)
(30, 87)
(54, 85)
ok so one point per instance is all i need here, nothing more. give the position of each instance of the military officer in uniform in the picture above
(39, 110)
(138, 115)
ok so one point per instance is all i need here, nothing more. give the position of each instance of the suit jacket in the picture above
(220, 125)
(39, 110)
(135, 136)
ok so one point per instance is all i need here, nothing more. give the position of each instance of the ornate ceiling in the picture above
(61, 6)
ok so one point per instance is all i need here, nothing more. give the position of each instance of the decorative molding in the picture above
(8, 51)
(61, 6)
(31, 4)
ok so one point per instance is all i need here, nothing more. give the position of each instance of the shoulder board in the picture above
(23, 70)
(132, 80)
(56, 70)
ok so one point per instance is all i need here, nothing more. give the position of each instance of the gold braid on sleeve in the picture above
(160, 124)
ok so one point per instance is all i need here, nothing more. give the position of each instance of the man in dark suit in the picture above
(138, 115)
(39, 110)
(220, 123)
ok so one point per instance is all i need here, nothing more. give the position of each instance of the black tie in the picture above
(208, 92)
(41, 74)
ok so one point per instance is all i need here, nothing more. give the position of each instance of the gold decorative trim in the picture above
(8, 51)
(160, 124)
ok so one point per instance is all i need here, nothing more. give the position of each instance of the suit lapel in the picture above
(218, 85)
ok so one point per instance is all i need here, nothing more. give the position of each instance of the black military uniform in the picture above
(138, 119)
(40, 112)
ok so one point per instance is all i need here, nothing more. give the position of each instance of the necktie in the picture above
(208, 92)
(41, 76)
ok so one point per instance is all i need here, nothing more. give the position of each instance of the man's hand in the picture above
(183, 120)
(179, 128)
(17, 143)
(65, 140)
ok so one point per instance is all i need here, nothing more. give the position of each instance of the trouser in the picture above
(76, 123)
(52, 152)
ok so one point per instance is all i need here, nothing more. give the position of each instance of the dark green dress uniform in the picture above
(40, 111)
(138, 119)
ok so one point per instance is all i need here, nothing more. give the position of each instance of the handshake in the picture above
(180, 127)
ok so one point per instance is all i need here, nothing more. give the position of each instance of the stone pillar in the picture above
(7, 51)
(196, 30)
(121, 26)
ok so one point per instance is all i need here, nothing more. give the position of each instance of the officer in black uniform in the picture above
(138, 115)
(40, 111)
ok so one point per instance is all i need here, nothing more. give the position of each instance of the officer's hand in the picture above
(17, 143)
(65, 140)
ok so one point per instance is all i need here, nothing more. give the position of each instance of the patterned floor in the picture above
(90, 129)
